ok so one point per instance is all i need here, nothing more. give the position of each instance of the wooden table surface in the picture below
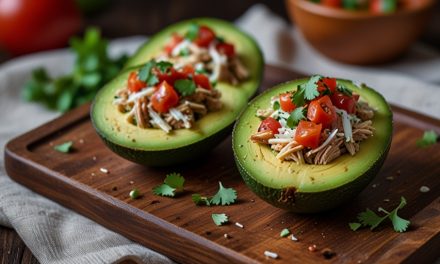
(139, 17)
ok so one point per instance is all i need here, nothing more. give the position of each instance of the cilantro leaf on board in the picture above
(65, 147)
(198, 199)
(429, 138)
(192, 32)
(295, 116)
(220, 219)
(224, 196)
(173, 183)
(145, 74)
(371, 219)
(285, 232)
(185, 87)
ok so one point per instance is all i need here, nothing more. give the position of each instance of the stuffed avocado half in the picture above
(163, 111)
(306, 183)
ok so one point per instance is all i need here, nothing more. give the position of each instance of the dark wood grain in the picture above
(186, 233)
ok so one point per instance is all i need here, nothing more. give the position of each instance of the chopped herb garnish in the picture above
(296, 115)
(311, 88)
(285, 232)
(198, 199)
(220, 219)
(163, 66)
(201, 71)
(145, 74)
(192, 33)
(173, 183)
(429, 138)
(276, 105)
(224, 196)
(220, 39)
(184, 52)
(65, 147)
(298, 97)
(341, 88)
(134, 194)
(371, 219)
(185, 87)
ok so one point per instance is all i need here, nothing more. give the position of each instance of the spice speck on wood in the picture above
(312, 248)
(390, 178)
(94, 158)
(81, 141)
(293, 238)
(114, 188)
(226, 236)
(327, 253)
(131, 182)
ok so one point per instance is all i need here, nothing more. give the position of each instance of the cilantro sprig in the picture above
(295, 116)
(185, 87)
(192, 32)
(65, 147)
(368, 218)
(220, 219)
(146, 75)
(172, 184)
(224, 196)
(429, 138)
(92, 68)
(306, 91)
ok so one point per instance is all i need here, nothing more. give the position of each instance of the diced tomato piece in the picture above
(174, 41)
(164, 98)
(226, 49)
(204, 37)
(327, 83)
(269, 124)
(345, 102)
(308, 134)
(170, 76)
(322, 111)
(332, 3)
(187, 70)
(134, 84)
(383, 6)
(356, 97)
(202, 81)
(286, 103)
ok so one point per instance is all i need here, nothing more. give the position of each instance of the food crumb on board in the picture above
(312, 248)
(104, 170)
(270, 254)
(293, 238)
(374, 185)
(389, 178)
(226, 236)
(131, 182)
(114, 188)
(239, 225)
(386, 200)
(81, 141)
(424, 189)
(208, 233)
(94, 158)
(327, 253)
(398, 172)
(92, 174)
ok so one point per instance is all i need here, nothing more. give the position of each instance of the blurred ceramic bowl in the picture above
(360, 37)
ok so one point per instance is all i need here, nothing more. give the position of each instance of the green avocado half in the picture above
(153, 146)
(310, 188)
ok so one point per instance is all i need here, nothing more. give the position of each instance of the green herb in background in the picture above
(429, 138)
(92, 69)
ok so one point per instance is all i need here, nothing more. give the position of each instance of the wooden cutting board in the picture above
(187, 234)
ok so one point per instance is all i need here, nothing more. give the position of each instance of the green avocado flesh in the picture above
(152, 146)
(310, 188)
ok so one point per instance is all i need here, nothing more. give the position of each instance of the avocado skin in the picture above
(169, 157)
(313, 202)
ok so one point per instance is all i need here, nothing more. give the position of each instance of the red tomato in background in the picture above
(134, 84)
(308, 134)
(32, 25)
(164, 98)
(174, 41)
(270, 124)
(204, 37)
(325, 83)
(322, 111)
(345, 102)
(332, 3)
(286, 103)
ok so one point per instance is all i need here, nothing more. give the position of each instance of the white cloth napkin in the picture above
(55, 234)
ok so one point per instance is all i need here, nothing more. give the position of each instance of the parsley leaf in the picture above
(65, 147)
(193, 32)
(198, 199)
(163, 66)
(371, 219)
(224, 196)
(220, 219)
(296, 115)
(285, 232)
(146, 75)
(429, 138)
(185, 87)
(298, 97)
(311, 88)
(92, 69)
(184, 52)
(173, 183)
(276, 105)
(343, 89)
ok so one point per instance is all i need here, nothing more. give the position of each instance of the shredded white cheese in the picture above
(270, 254)
(326, 142)
(239, 225)
(147, 91)
(279, 140)
(218, 60)
(348, 132)
(181, 46)
(176, 114)
(157, 120)
(104, 170)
